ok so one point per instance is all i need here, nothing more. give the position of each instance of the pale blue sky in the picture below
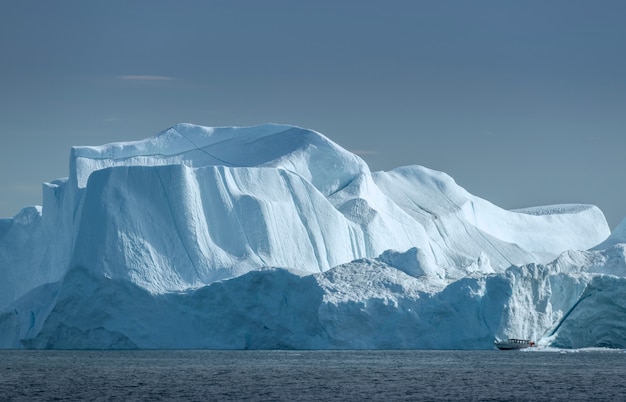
(522, 102)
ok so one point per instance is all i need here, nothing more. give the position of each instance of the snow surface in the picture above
(167, 243)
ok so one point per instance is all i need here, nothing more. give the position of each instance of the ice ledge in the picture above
(557, 209)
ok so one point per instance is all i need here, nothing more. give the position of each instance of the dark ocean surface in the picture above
(313, 375)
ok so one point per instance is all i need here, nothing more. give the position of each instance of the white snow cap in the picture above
(304, 152)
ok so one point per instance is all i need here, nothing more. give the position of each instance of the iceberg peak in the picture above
(301, 151)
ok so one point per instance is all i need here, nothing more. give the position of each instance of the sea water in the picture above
(312, 375)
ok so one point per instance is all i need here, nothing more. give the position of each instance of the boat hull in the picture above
(513, 344)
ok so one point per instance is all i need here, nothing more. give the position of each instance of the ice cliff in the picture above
(275, 237)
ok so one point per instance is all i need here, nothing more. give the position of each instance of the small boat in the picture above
(513, 344)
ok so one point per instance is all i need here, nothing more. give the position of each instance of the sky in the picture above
(523, 103)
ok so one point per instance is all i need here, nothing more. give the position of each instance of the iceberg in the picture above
(276, 237)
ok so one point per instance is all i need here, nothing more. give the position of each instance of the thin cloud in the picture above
(146, 78)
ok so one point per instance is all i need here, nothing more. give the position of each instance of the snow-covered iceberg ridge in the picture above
(169, 242)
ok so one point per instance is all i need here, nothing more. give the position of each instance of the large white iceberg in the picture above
(276, 237)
